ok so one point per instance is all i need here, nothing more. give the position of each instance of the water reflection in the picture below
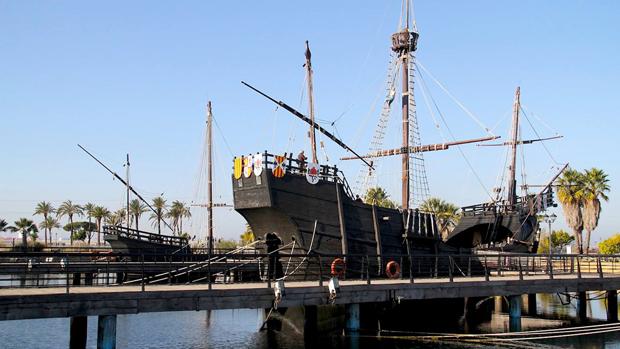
(236, 329)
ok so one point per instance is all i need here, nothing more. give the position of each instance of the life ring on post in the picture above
(392, 270)
(338, 267)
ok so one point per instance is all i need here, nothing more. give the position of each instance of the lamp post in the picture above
(550, 219)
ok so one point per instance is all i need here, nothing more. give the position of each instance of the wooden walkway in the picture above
(29, 303)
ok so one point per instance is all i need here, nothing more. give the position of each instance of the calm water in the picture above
(236, 329)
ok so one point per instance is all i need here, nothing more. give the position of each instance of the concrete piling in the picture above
(531, 304)
(106, 332)
(612, 306)
(514, 305)
(78, 332)
(352, 318)
(582, 306)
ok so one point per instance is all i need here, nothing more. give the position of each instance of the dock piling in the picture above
(106, 332)
(612, 306)
(514, 304)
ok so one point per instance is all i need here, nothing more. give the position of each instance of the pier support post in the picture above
(310, 324)
(106, 332)
(514, 303)
(498, 304)
(612, 306)
(531, 304)
(352, 318)
(78, 332)
(582, 306)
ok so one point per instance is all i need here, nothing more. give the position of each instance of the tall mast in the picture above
(514, 141)
(210, 177)
(128, 188)
(403, 43)
(308, 66)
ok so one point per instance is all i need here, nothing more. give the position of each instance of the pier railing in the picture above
(22, 270)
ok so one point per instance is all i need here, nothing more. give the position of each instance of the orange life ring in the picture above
(392, 270)
(338, 267)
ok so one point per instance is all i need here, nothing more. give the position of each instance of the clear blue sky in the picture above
(135, 76)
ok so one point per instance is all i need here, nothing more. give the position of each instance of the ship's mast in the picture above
(309, 72)
(403, 43)
(128, 189)
(514, 142)
(210, 178)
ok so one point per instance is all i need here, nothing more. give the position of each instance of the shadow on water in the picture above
(237, 329)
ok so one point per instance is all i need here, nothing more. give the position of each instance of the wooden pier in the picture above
(465, 276)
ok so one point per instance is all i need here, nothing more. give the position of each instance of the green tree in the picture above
(3, 225)
(136, 209)
(559, 239)
(160, 206)
(248, 235)
(25, 227)
(610, 245)
(570, 194)
(379, 197)
(79, 230)
(70, 210)
(48, 224)
(447, 214)
(225, 244)
(99, 213)
(595, 189)
(45, 209)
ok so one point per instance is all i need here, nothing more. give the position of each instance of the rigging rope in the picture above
(471, 167)
(471, 115)
(537, 135)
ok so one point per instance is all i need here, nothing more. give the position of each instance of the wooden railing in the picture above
(145, 236)
(297, 167)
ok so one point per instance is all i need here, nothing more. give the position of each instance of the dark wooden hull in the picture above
(506, 231)
(290, 206)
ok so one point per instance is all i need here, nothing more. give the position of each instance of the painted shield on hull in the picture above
(279, 169)
(312, 176)
(238, 169)
(247, 166)
(258, 164)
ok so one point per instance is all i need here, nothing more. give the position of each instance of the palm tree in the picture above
(99, 213)
(596, 185)
(136, 209)
(120, 216)
(445, 212)
(69, 209)
(570, 194)
(178, 210)
(89, 207)
(175, 212)
(114, 219)
(3, 225)
(378, 196)
(45, 209)
(160, 206)
(48, 224)
(25, 226)
(185, 213)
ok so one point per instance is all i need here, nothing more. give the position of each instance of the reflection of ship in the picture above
(508, 224)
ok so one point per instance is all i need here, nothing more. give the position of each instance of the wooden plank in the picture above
(343, 229)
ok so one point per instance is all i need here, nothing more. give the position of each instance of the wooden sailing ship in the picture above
(281, 195)
(314, 206)
(509, 223)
